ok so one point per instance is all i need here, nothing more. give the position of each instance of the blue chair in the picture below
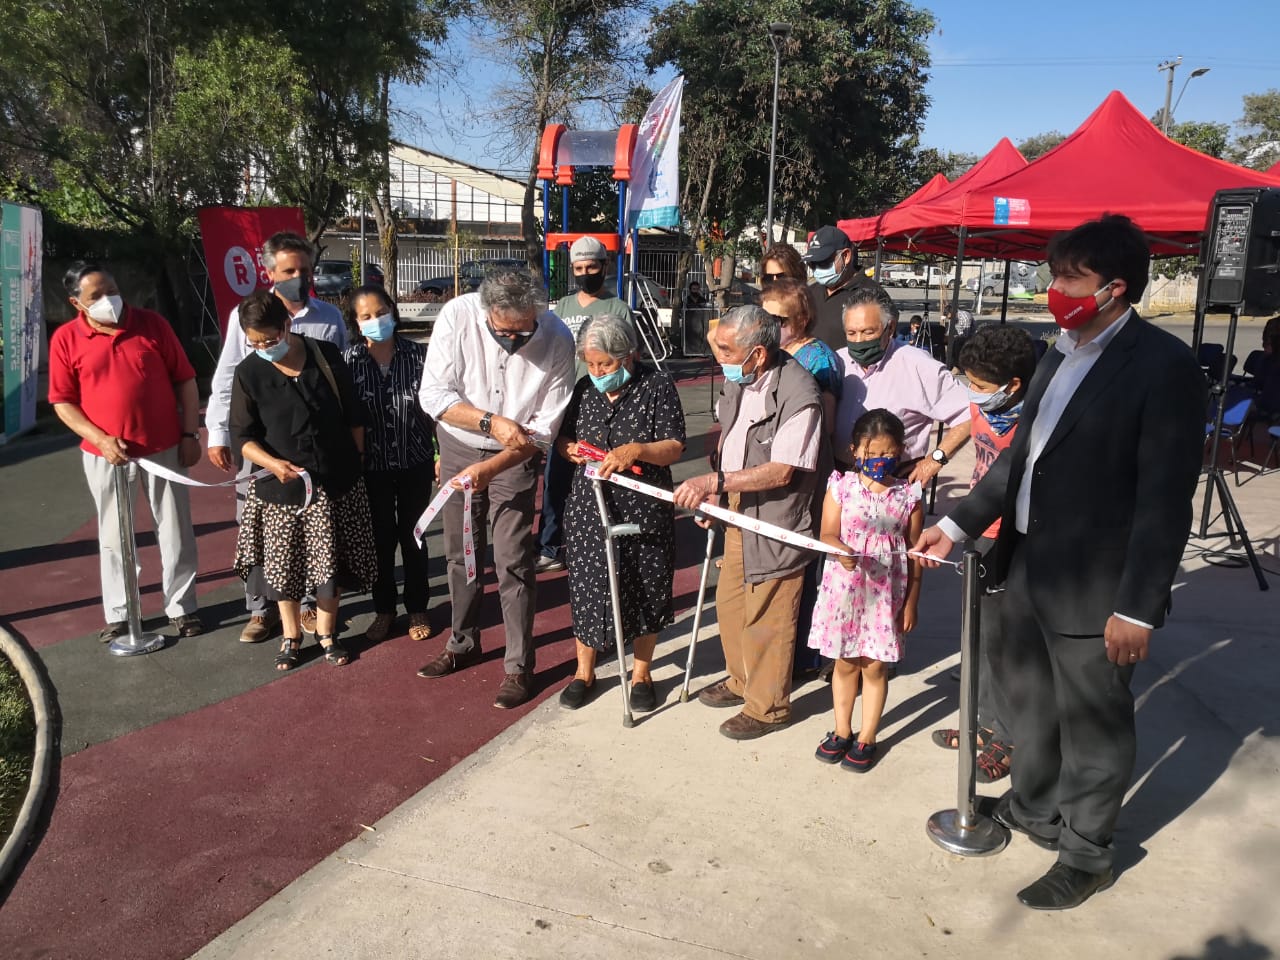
(1274, 434)
(1237, 405)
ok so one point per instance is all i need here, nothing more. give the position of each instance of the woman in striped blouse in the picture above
(399, 454)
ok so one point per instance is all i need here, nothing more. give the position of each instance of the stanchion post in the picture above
(963, 830)
(136, 642)
(697, 612)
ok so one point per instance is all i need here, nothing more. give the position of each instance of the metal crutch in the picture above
(697, 612)
(612, 530)
(963, 830)
(136, 642)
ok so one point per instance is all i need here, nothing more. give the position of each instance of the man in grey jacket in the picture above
(771, 445)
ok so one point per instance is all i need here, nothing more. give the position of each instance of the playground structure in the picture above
(561, 152)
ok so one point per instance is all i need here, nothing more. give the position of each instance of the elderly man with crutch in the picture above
(771, 410)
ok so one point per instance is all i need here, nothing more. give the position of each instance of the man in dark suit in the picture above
(1095, 500)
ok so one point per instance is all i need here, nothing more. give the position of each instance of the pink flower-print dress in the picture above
(857, 610)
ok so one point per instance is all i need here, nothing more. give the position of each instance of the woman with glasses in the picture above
(782, 262)
(293, 409)
(399, 450)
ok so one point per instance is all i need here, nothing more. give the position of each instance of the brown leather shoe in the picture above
(516, 689)
(742, 727)
(449, 662)
(719, 695)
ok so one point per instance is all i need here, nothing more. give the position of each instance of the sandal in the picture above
(994, 762)
(419, 626)
(287, 658)
(333, 654)
(949, 737)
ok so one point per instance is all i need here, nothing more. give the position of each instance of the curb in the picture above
(44, 705)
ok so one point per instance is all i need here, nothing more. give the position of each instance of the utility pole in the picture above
(1170, 66)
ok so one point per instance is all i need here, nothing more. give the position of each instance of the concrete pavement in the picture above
(569, 835)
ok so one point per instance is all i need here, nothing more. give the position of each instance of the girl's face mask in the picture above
(876, 468)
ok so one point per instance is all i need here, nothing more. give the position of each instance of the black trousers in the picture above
(396, 500)
(1070, 713)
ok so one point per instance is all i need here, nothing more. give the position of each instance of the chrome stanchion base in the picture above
(133, 646)
(982, 839)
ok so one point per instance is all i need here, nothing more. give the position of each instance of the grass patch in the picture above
(17, 745)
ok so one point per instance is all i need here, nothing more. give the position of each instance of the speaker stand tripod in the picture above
(1215, 479)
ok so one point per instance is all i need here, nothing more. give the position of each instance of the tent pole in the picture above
(1004, 300)
(955, 291)
(879, 257)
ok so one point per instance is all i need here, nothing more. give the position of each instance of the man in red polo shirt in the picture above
(118, 377)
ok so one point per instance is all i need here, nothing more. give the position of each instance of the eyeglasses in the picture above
(266, 344)
(510, 334)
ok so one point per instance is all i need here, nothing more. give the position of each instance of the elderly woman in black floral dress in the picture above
(634, 414)
(293, 408)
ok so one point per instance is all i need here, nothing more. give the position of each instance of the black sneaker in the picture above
(860, 758)
(576, 694)
(643, 697)
(833, 749)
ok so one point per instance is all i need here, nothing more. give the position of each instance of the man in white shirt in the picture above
(499, 375)
(1094, 497)
(290, 259)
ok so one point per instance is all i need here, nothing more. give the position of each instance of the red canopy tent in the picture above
(1117, 161)
(865, 229)
(1274, 169)
(900, 225)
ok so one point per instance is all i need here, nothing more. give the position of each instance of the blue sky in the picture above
(999, 69)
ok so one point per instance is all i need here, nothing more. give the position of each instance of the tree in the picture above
(1207, 137)
(560, 57)
(1037, 146)
(850, 102)
(1259, 146)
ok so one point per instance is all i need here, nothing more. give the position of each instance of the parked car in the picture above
(470, 274)
(991, 283)
(1026, 279)
(333, 277)
(916, 275)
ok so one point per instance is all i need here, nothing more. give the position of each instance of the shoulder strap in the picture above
(325, 369)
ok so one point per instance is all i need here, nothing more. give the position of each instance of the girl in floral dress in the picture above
(866, 602)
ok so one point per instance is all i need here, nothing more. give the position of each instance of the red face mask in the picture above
(1072, 313)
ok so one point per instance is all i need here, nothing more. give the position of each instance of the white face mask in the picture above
(107, 309)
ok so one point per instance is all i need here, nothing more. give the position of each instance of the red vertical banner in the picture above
(233, 238)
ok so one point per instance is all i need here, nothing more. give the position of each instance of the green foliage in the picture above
(17, 745)
(850, 102)
(1037, 146)
(1207, 137)
(1259, 145)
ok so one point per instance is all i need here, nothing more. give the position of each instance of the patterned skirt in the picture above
(282, 554)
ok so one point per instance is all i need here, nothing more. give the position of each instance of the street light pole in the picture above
(1170, 66)
(777, 33)
(1197, 72)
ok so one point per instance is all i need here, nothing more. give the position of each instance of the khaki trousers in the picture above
(758, 633)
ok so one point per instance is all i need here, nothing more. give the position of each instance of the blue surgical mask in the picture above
(276, 352)
(827, 276)
(611, 381)
(990, 402)
(379, 328)
(876, 468)
(733, 373)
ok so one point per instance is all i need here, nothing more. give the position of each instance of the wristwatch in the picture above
(486, 423)
(941, 458)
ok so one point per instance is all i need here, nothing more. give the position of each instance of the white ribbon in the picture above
(447, 490)
(173, 476)
(770, 530)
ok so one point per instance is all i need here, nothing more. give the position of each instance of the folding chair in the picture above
(1237, 406)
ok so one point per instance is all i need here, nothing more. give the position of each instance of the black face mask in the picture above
(509, 344)
(296, 289)
(866, 352)
(591, 283)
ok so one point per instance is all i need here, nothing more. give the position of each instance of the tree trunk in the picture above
(384, 214)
